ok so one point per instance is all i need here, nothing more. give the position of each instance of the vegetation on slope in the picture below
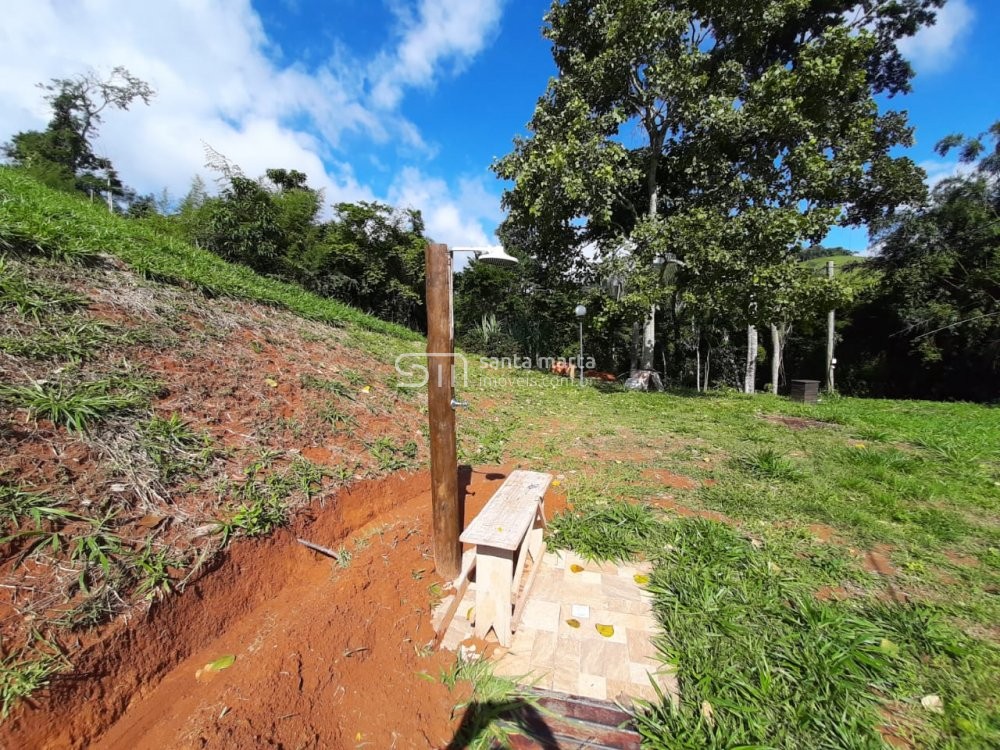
(143, 426)
(34, 218)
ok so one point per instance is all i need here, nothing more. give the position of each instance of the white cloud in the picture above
(443, 31)
(937, 171)
(933, 48)
(214, 84)
(454, 216)
(217, 82)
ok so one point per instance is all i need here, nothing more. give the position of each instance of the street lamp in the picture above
(492, 255)
(581, 312)
(447, 514)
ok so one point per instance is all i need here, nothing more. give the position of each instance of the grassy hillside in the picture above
(156, 403)
(37, 219)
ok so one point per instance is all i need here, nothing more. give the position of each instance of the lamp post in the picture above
(441, 404)
(581, 312)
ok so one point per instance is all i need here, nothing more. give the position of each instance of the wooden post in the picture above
(441, 415)
(831, 319)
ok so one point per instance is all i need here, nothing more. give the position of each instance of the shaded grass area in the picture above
(778, 634)
(36, 219)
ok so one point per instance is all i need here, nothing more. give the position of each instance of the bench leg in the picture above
(536, 533)
(494, 572)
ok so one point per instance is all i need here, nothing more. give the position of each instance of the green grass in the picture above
(495, 709)
(744, 629)
(76, 406)
(19, 505)
(392, 457)
(767, 463)
(24, 672)
(69, 339)
(263, 499)
(326, 384)
(36, 219)
(174, 448)
(32, 299)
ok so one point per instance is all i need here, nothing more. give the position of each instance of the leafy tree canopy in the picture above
(727, 134)
(62, 155)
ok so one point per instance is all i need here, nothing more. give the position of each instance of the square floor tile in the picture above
(592, 686)
(540, 615)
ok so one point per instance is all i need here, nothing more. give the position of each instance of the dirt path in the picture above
(325, 656)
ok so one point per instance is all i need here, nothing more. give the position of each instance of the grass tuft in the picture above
(24, 672)
(75, 407)
(768, 463)
(174, 448)
(604, 531)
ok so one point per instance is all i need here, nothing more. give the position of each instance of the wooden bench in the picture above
(505, 532)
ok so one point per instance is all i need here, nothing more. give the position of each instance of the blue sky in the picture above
(406, 101)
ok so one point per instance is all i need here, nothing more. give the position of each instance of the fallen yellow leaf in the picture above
(576, 568)
(469, 615)
(641, 579)
(556, 483)
(606, 630)
(573, 623)
(708, 713)
(366, 389)
(271, 382)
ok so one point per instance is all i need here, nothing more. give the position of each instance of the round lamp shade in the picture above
(496, 256)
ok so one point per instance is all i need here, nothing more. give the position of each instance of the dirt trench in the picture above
(325, 655)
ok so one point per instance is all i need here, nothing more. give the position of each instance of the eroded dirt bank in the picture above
(327, 655)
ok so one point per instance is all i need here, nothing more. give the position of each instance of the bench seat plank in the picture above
(507, 516)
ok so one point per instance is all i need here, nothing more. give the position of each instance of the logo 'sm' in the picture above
(415, 373)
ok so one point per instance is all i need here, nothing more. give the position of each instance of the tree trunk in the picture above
(775, 358)
(636, 345)
(708, 365)
(697, 359)
(644, 377)
(831, 321)
(750, 374)
(649, 341)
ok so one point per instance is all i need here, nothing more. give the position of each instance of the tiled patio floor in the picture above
(558, 645)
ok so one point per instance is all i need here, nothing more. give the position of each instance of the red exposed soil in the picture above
(668, 479)
(897, 722)
(824, 533)
(796, 423)
(963, 561)
(668, 503)
(877, 560)
(326, 656)
(832, 593)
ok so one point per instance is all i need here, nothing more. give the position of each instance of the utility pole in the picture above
(447, 515)
(831, 319)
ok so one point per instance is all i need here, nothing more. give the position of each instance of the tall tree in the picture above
(934, 316)
(726, 133)
(63, 154)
